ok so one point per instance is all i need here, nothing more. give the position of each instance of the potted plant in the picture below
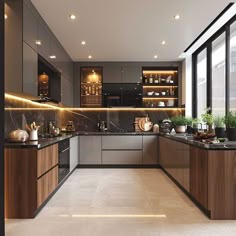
(180, 123)
(230, 122)
(195, 125)
(219, 126)
(207, 117)
(189, 123)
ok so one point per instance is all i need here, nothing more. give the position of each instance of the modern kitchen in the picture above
(119, 118)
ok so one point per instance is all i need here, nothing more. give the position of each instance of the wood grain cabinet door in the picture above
(46, 185)
(199, 175)
(46, 159)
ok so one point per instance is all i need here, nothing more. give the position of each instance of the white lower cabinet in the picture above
(122, 157)
(118, 150)
(74, 152)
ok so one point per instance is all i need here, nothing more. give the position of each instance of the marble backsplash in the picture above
(117, 120)
(19, 113)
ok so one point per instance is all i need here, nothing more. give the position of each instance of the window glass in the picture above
(201, 82)
(232, 81)
(218, 75)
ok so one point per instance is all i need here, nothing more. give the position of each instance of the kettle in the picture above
(166, 126)
(18, 136)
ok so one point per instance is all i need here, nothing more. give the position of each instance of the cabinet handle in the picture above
(65, 150)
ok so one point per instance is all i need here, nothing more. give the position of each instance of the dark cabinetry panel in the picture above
(13, 46)
(132, 74)
(30, 70)
(112, 74)
(66, 91)
(44, 38)
(30, 33)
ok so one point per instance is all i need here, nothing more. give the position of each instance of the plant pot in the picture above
(231, 134)
(180, 128)
(220, 132)
(189, 129)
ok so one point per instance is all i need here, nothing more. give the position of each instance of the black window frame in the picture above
(208, 46)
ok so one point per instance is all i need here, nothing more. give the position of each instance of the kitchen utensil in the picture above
(168, 79)
(156, 128)
(18, 136)
(163, 93)
(161, 104)
(33, 135)
(170, 103)
(156, 94)
(56, 131)
(70, 126)
(150, 93)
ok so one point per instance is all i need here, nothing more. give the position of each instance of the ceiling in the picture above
(128, 30)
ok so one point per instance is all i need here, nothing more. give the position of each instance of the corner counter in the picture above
(206, 172)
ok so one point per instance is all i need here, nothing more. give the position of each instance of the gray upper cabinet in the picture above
(112, 74)
(90, 150)
(30, 70)
(150, 144)
(29, 28)
(44, 49)
(66, 91)
(131, 74)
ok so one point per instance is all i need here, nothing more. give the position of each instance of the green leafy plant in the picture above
(207, 117)
(179, 120)
(230, 120)
(195, 122)
(189, 121)
(219, 121)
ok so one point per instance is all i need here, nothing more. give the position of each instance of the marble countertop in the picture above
(44, 142)
(188, 139)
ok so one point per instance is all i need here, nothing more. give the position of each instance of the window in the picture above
(214, 70)
(232, 80)
(218, 75)
(201, 82)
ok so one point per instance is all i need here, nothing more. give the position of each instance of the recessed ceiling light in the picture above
(177, 17)
(5, 16)
(89, 57)
(38, 42)
(72, 16)
(155, 56)
(53, 57)
(83, 42)
(163, 42)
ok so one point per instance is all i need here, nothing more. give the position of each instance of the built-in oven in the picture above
(121, 94)
(64, 159)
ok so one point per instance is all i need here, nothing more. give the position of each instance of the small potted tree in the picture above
(230, 122)
(180, 123)
(219, 126)
(207, 117)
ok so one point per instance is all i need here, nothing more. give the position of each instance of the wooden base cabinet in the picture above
(31, 175)
(174, 158)
(46, 185)
(212, 181)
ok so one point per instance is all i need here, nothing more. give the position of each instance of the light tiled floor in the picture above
(120, 202)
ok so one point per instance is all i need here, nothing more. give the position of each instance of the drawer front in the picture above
(122, 142)
(46, 159)
(46, 185)
(124, 157)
